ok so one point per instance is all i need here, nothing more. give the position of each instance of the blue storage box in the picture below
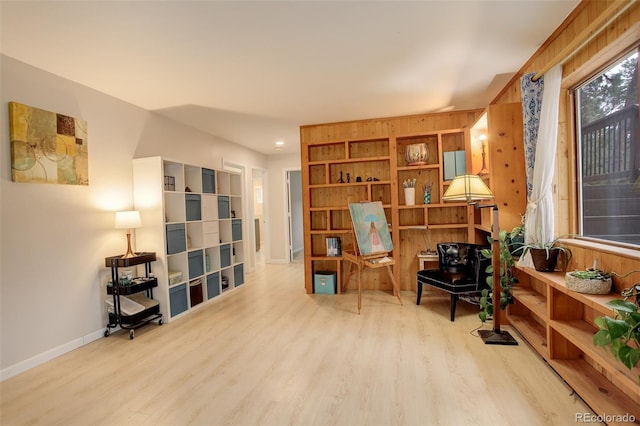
(178, 299)
(194, 209)
(223, 207)
(213, 285)
(176, 240)
(238, 275)
(208, 181)
(236, 229)
(225, 255)
(196, 264)
(324, 282)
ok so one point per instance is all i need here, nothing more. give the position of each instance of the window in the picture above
(609, 153)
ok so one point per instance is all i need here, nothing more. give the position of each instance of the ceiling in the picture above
(253, 72)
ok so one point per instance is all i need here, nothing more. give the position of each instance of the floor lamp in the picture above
(471, 189)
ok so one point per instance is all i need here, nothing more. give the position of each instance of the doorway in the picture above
(258, 220)
(294, 215)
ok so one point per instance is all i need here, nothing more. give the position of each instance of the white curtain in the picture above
(539, 226)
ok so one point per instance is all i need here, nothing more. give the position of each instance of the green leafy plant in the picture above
(621, 333)
(553, 244)
(507, 279)
(515, 238)
(518, 231)
(592, 274)
(545, 254)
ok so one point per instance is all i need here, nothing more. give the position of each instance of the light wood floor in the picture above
(269, 354)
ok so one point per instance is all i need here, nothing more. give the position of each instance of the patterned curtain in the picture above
(531, 106)
(540, 112)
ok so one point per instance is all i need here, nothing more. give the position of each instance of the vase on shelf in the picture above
(410, 196)
(427, 197)
(426, 194)
(416, 154)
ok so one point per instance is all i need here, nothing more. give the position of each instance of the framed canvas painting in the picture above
(47, 147)
(371, 228)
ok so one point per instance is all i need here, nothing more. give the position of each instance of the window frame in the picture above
(594, 71)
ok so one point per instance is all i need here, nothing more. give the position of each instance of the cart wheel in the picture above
(160, 321)
(106, 333)
(131, 334)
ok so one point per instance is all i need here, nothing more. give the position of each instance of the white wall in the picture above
(277, 204)
(54, 238)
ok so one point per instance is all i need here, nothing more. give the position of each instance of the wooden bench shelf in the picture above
(601, 395)
(534, 301)
(559, 324)
(532, 331)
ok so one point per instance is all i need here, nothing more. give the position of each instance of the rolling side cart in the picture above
(132, 305)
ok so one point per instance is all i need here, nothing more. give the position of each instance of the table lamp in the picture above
(471, 189)
(128, 220)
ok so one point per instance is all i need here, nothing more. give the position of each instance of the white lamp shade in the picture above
(128, 220)
(467, 188)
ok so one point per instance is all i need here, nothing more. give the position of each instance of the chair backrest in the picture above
(464, 258)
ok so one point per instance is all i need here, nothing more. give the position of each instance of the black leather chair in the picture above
(461, 272)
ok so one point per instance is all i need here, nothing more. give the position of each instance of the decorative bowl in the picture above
(416, 154)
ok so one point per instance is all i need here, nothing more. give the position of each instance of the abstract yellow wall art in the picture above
(47, 147)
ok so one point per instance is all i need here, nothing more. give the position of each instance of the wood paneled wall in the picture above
(621, 261)
(609, 44)
(618, 37)
(384, 127)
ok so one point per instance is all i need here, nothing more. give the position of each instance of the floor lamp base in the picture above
(492, 337)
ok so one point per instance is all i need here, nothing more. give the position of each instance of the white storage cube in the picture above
(209, 207)
(211, 233)
(211, 240)
(211, 227)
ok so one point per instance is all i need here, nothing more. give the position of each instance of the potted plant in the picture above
(621, 334)
(507, 279)
(545, 255)
(589, 281)
(516, 237)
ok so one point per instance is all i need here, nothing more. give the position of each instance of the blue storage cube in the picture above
(178, 299)
(225, 255)
(196, 264)
(324, 282)
(236, 229)
(223, 207)
(208, 181)
(238, 275)
(193, 206)
(176, 240)
(213, 285)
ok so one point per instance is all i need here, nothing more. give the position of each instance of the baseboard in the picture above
(49, 355)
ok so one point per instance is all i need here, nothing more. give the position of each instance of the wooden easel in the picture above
(373, 261)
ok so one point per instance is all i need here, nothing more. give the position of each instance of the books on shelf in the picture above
(334, 246)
